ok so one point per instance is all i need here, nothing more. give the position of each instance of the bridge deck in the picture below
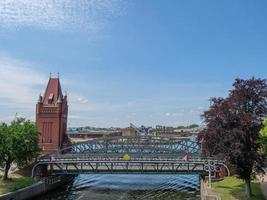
(75, 164)
(133, 166)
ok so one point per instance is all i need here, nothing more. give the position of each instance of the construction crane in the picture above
(138, 130)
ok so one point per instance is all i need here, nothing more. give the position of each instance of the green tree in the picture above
(263, 137)
(18, 143)
(193, 126)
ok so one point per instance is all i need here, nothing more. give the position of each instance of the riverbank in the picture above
(38, 188)
(14, 183)
(232, 188)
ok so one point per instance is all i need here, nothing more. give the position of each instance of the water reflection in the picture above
(128, 186)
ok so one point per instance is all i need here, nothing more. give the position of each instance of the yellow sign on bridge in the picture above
(126, 157)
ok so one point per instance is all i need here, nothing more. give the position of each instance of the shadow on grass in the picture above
(237, 191)
(233, 188)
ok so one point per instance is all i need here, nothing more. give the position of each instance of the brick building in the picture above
(129, 132)
(51, 117)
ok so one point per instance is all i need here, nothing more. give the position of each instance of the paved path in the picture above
(264, 189)
(12, 169)
(263, 184)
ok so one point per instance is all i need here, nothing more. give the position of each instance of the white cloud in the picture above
(7, 118)
(59, 14)
(22, 81)
(167, 114)
(74, 117)
(19, 83)
(82, 100)
(180, 114)
(79, 103)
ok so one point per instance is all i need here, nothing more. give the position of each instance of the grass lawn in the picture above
(15, 182)
(232, 188)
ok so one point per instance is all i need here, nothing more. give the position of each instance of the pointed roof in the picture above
(53, 91)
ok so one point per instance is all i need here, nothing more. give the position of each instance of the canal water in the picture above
(128, 187)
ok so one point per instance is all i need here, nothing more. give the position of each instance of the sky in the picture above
(145, 62)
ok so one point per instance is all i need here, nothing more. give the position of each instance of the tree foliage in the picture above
(263, 137)
(189, 126)
(18, 143)
(233, 125)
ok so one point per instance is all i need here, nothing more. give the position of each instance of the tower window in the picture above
(47, 132)
(50, 98)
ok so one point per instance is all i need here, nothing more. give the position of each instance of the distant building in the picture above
(129, 131)
(51, 117)
(159, 127)
(87, 135)
(164, 128)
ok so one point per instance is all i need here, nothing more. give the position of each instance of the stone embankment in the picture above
(204, 194)
(37, 188)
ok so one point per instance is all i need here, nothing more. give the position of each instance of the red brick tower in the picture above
(51, 117)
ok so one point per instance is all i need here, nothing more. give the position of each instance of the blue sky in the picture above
(146, 62)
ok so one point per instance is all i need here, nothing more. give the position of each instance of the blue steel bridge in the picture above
(130, 154)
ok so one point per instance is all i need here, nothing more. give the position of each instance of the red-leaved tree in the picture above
(233, 125)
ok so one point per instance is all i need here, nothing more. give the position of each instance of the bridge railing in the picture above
(78, 158)
(118, 159)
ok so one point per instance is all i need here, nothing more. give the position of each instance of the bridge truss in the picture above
(145, 154)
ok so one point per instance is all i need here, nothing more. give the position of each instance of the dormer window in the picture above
(50, 98)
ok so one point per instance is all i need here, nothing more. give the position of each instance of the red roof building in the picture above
(51, 117)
